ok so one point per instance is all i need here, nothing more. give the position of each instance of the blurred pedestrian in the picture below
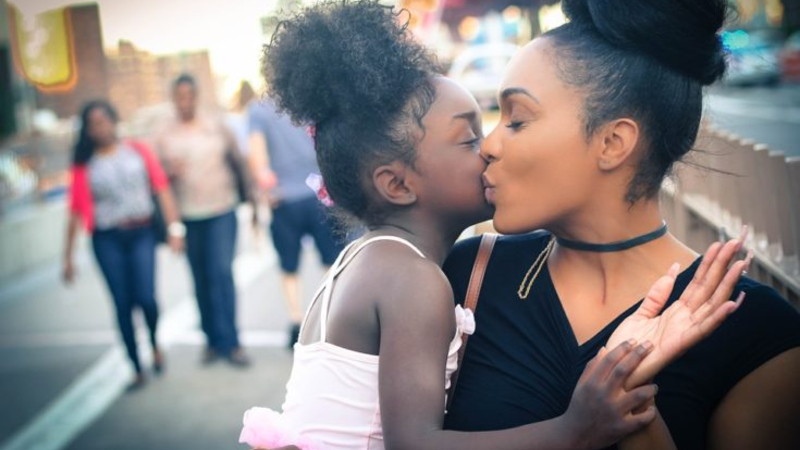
(237, 119)
(281, 157)
(203, 163)
(114, 184)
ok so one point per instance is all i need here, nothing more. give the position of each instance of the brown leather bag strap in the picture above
(471, 299)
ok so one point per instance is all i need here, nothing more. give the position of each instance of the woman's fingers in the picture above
(658, 294)
(708, 282)
(722, 293)
(716, 317)
(701, 271)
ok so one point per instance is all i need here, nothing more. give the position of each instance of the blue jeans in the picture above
(210, 245)
(127, 260)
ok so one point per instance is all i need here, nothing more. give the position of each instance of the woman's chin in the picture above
(505, 225)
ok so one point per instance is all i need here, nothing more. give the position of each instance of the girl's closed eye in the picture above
(515, 125)
(473, 142)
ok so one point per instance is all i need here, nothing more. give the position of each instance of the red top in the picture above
(80, 199)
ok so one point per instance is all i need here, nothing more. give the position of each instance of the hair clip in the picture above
(317, 184)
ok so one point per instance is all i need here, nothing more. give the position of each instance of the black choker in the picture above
(614, 246)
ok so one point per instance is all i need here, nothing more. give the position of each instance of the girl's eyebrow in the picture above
(469, 116)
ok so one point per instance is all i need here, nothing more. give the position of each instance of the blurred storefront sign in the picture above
(43, 49)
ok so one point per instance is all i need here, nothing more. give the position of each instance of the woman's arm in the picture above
(73, 223)
(762, 410)
(176, 232)
(417, 324)
(655, 436)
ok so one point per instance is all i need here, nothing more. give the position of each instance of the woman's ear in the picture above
(619, 140)
(390, 182)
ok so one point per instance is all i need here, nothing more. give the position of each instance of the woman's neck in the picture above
(106, 149)
(619, 223)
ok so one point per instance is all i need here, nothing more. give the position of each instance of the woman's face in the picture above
(185, 98)
(101, 128)
(448, 165)
(541, 169)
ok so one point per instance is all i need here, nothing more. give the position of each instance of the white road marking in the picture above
(94, 391)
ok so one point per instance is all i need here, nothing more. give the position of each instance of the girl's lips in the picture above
(489, 194)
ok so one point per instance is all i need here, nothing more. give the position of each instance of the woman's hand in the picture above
(601, 411)
(700, 310)
(68, 272)
(176, 243)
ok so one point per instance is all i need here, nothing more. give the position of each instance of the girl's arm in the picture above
(416, 317)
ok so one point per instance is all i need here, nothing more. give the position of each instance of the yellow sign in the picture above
(43, 49)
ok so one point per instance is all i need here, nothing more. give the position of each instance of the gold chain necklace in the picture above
(536, 268)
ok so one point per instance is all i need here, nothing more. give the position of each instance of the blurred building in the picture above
(134, 79)
(196, 64)
(138, 79)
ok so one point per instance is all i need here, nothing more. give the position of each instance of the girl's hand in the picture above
(700, 310)
(601, 411)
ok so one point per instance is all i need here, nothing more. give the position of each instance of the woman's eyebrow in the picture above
(508, 92)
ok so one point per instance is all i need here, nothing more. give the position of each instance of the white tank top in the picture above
(332, 393)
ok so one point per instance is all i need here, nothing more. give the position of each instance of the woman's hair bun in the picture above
(682, 34)
(347, 59)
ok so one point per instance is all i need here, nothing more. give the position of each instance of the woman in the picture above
(201, 158)
(582, 147)
(113, 186)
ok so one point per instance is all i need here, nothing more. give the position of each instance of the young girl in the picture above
(398, 149)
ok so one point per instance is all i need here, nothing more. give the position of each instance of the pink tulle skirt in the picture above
(266, 429)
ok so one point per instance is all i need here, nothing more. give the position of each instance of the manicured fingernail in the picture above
(631, 342)
(655, 386)
(740, 299)
(748, 260)
(675, 269)
(743, 234)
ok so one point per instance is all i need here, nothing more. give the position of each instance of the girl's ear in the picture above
(390, 182)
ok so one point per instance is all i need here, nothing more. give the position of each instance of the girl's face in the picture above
(100, 128)
(541, 169)
(448, 164)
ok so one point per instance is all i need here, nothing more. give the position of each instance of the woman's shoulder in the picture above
(467, 249)
(763, 327)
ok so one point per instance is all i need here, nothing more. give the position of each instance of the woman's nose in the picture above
(490, 146)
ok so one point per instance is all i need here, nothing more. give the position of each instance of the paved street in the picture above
(767, 115)
(63, 373)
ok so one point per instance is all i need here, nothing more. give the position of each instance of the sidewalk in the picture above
(63, 372)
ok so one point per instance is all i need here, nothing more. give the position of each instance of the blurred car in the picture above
(752, 57)
(480, 70)
(790, 58)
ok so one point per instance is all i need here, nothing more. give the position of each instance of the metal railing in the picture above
(732, 182)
